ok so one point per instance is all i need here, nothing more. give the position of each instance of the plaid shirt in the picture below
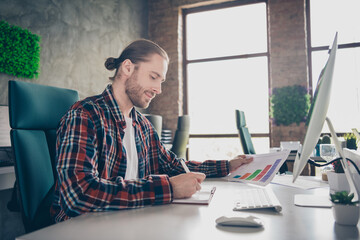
(91, 161)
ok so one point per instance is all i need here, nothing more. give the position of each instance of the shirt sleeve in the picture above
(82, 189)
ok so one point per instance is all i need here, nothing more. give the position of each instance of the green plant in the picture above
(343, 197)
(19, 51)
(289, 105)
(351, 141)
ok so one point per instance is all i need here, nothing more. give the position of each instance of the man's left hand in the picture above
(238, 161)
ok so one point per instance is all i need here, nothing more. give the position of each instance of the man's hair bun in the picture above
(111, 63)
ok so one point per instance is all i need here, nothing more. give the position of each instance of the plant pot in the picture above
(346, 214)
(337, 182)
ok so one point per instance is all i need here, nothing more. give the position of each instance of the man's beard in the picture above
(135, 92)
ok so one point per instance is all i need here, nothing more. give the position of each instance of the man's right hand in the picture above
(185, 185)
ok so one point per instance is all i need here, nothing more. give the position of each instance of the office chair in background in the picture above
(35, 111)
(156, 121)
(181, 137)
(245, 137)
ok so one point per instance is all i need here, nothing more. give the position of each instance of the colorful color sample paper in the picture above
(262, 170)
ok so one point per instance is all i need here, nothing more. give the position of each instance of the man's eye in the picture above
(153, 78)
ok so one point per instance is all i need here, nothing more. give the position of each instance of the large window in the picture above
(326, 18)
(226, 68)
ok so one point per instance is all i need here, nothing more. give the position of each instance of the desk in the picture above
(184, 222)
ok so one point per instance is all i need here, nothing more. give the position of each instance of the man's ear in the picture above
(127, 67)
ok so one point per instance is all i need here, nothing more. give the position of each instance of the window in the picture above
(326, 18)
(226, 68)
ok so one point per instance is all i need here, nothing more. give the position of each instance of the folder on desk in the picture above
(202, 197)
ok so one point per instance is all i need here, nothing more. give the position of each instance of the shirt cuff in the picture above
(162, 189)
(223, 168)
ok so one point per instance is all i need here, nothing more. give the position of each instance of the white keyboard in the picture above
(256, 198)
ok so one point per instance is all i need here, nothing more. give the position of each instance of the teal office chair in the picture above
(35, 112)
(181, 137)
(156, 121)
(245, 137)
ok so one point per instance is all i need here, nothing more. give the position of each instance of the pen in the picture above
(184, 165)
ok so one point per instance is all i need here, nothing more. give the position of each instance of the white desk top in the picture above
(181, 222)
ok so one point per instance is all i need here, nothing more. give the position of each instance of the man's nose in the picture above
(157, 89)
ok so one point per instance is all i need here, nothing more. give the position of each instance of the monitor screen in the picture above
(317, 113)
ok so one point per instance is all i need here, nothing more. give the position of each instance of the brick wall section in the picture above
(288, 57)
(287, 46)
(163, 29)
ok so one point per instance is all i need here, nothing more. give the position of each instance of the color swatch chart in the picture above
(261, 170)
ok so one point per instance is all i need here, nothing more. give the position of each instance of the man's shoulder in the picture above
(89, 102)
(91, 106)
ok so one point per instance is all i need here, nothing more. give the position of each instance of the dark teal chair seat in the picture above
(34, 112)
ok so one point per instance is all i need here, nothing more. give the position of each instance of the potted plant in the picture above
(337, 179)
(345, 211)
(351, 141)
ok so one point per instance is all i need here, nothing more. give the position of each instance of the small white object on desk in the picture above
(248, 221)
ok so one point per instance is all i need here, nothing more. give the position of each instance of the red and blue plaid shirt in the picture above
(91, 161)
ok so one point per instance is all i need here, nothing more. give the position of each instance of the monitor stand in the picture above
(349, 177)
(320, 201)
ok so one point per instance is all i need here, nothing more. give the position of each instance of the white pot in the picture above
(337, 182)
(346, 214)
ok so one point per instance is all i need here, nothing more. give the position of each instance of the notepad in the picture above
(202, 197)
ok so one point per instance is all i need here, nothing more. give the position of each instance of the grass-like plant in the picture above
(343, 197)
(19, 51)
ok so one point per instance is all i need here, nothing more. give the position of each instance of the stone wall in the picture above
(76, 38)
(287, 47)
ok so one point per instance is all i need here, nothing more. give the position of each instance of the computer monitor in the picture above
(317, 112)
(317, 117)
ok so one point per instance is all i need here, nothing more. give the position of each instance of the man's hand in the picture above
(185, 185)
(238, 161)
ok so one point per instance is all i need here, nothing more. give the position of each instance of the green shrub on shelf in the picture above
(289, 105)
(19, 51)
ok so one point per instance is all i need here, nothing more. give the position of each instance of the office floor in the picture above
(10, 222)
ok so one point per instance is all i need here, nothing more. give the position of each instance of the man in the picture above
(109, 156)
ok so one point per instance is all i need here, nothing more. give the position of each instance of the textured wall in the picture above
(76, 38)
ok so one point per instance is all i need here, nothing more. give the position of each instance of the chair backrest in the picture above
(156, 121)
(35, 111)
(181, 137)
(245, 137)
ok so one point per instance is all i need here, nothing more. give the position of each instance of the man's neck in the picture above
(122, 99)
